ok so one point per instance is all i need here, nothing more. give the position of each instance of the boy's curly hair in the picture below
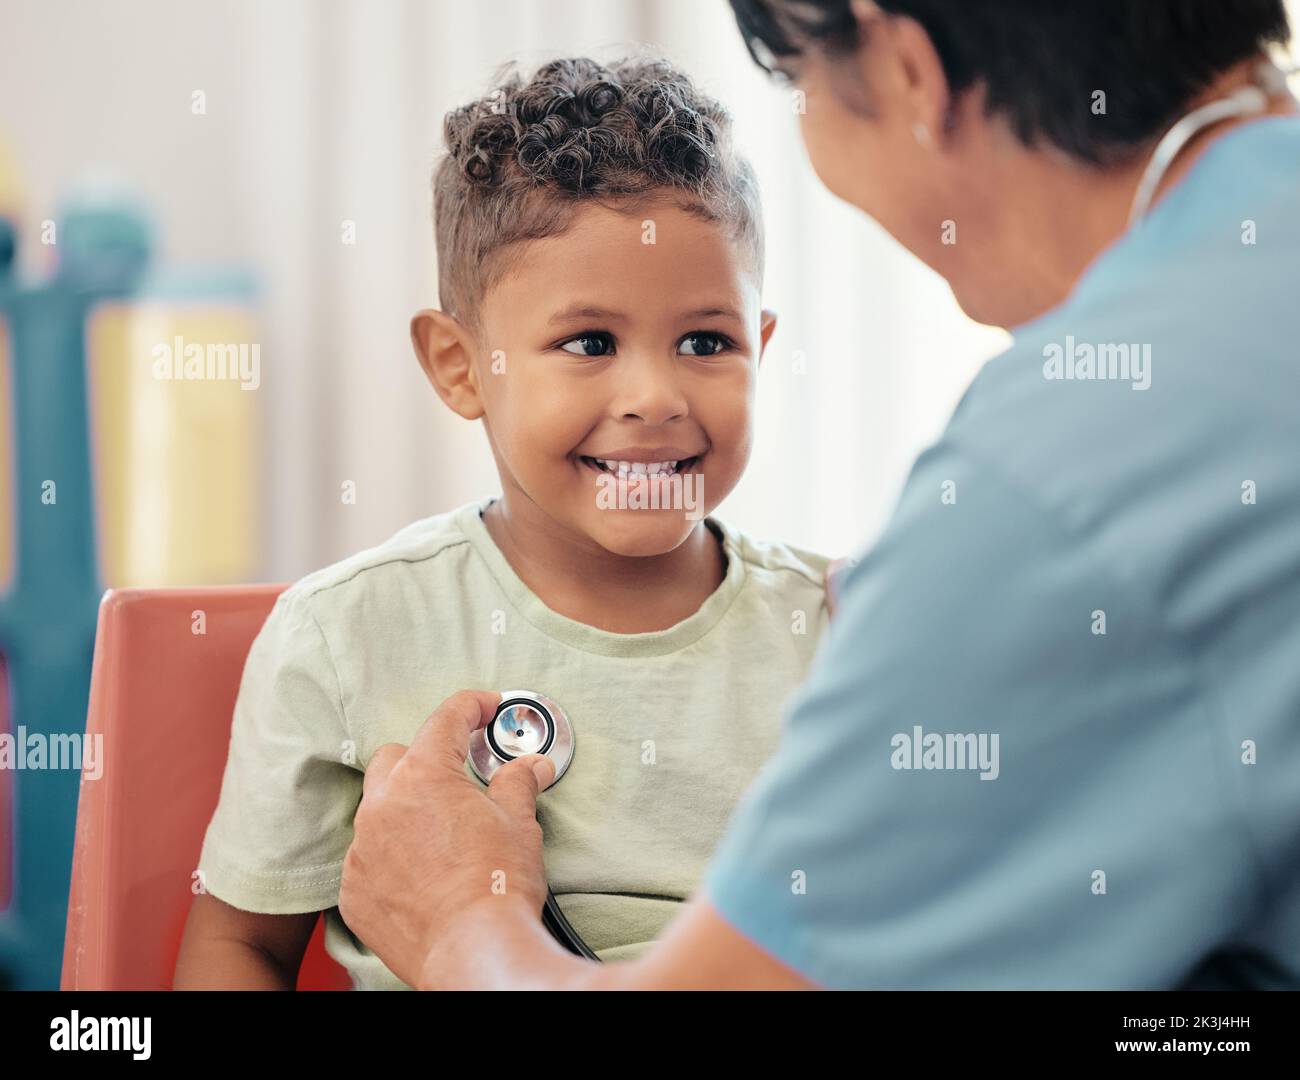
(521, 159)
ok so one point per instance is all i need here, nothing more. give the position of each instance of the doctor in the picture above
(1095, 570)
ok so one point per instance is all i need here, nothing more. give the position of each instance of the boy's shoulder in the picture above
(416, 549)
(774, 562)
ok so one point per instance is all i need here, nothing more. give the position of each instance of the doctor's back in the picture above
(1099, 564)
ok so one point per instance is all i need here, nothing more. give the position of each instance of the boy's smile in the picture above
(660, 461)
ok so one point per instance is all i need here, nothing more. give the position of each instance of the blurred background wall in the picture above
(320, 113)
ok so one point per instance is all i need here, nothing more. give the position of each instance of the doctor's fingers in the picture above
(515, 786)
(380, 765)
(444, 736)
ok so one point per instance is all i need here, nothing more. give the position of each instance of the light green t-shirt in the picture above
(671, 726)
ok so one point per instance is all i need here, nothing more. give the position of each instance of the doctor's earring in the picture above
(921, 132)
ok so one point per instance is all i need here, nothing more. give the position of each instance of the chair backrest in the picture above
(162, 696)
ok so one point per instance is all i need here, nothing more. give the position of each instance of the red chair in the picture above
(162, 697)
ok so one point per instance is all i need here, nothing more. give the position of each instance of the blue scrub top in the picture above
(1053, 739)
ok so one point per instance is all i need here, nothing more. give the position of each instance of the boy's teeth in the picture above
(652, 468)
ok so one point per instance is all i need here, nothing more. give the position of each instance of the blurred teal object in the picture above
(47, 615)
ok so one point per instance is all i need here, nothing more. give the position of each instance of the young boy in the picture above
(600, 261)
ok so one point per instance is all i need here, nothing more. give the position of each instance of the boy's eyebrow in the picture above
(709, 312)
(583, 311)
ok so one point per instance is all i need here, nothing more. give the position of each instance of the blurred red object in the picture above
(162, 697)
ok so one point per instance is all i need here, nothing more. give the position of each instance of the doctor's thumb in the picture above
(544, 770)
(520, 782)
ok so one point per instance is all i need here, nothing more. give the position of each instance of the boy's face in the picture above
(599, 345)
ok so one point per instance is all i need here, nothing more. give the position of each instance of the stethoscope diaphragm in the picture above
(525, 722)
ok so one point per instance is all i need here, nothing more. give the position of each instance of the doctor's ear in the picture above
(767, 323)
(445, 349)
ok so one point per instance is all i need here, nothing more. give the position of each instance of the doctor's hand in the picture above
(430, 846)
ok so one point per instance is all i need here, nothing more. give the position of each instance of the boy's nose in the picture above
(650, 392)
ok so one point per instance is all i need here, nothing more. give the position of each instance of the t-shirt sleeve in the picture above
(1071, 832)
(283, 823)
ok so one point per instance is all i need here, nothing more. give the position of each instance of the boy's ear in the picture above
(767, 323)
(445, 350)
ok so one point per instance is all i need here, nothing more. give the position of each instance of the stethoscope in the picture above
(527, 722)
(1270, 82)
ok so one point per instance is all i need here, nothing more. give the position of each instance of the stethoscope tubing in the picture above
(1270, 82)
(561, 929)
(486, 755)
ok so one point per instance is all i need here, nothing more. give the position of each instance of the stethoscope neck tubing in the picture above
(1244, 101)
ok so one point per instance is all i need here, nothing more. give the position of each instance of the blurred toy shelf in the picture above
(128, 457)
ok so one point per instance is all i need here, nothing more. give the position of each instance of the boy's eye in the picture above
(589, 345)
(703, 344)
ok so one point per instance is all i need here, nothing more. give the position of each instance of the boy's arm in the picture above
(834, 572)
(284, 813)
(224, 948)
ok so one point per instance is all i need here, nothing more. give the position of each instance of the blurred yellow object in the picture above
(174, 458)
(11, 190)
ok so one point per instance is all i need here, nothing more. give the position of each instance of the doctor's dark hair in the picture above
(1041, 61)
(522, 159)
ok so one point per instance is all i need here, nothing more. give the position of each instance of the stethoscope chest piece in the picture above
(525, 723)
